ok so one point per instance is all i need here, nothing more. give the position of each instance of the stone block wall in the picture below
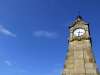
(80, 59)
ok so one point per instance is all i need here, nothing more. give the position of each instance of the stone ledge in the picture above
(79, 38)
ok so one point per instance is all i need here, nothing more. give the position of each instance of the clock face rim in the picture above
(78, 29)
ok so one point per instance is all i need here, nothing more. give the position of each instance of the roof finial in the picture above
(79, 12)
(79, 16)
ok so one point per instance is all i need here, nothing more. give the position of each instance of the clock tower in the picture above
(80, 59)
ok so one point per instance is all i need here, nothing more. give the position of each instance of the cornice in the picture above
(79, 38)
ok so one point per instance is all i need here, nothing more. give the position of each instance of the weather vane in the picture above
(79, 16)
(79, 12)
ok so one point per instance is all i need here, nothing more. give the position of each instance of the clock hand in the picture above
(79, 33)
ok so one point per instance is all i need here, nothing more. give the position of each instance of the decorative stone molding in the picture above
(79, 38)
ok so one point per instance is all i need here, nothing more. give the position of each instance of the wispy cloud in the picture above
(22, 71)
(45, 34)
(58, 69)
(59, 64)
(14, 62)
(16, 70)
(5, 31)
(8, 62)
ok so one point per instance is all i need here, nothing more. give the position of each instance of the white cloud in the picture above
(8, 62)
(59, 71)
(6, 31)
(59, 64)
(45, 34)
(22, 71)
(16, 70)
(14, 62)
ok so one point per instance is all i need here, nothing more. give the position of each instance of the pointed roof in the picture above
(79, 19)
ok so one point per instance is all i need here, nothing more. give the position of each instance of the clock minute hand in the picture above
(79, 33)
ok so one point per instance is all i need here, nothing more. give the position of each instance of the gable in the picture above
(79, 23)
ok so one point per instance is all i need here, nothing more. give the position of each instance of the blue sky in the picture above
(34, 34)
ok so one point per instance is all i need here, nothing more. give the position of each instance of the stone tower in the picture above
(80, 59)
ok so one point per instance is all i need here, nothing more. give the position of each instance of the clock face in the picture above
(79, 32)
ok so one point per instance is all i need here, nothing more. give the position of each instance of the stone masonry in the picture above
(80, 59)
